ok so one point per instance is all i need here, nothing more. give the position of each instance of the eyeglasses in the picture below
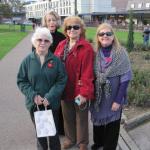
(105, 33)
(75, 27)
(43, 40)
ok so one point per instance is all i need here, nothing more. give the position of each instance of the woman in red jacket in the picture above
(77, 55)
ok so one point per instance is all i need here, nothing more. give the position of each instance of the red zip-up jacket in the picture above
(79, 67)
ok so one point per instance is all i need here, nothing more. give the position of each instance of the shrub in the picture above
(147, 56)
(139, 88)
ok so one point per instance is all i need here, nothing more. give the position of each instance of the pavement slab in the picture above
(141, 136)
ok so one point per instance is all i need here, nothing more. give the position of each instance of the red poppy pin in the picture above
(50, 64)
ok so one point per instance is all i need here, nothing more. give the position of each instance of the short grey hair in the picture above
(41, 31)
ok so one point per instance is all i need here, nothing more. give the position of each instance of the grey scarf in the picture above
(120, 64)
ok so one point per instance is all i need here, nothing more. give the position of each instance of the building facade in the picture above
(141, 10)
(91, 10)
(68, 7)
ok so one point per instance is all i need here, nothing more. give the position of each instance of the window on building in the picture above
(69, 10)
(147, 5)
(50, 5)
(66, 10)
(140, 5)
(57, 4)
(132, 5)
(63, 11)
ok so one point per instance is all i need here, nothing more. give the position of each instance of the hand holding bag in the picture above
(44, 122)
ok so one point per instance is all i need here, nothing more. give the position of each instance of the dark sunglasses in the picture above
(105, 33)
(45, 41)
(75, 27)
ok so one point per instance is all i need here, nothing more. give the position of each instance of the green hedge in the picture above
(139, 88)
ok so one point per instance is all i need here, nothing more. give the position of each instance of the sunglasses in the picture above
(75, 27)
(43, 40)
(105, 33)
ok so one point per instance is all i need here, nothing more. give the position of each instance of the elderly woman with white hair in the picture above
(42, 78)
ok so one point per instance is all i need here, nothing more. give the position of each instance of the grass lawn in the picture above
(13, 28)
(10, 35)
(9, 40)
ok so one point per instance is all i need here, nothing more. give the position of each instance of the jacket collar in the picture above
(48, 57)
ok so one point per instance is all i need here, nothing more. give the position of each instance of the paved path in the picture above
(141, 136)
(16, 129)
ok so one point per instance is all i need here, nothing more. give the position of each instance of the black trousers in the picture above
(61, 123)
(54, 142)
(107, 135)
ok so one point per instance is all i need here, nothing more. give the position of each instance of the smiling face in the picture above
(51, 23)
(73, 30)
(105, 37)
(42, 44)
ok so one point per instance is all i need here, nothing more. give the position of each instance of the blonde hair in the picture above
(53, 13)
(41, 31)
(115, 43)
(76, 20)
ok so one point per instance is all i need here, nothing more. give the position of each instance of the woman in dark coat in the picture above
(113, 73)
(42, 78)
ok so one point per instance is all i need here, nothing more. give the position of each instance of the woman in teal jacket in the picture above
(42, 78)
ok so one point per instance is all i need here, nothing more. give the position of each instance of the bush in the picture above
(141, 47)
(139, 88)
(147, 56)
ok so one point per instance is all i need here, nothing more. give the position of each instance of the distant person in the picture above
(42, 78)
(113, 73)
(78, 57)
(14, 22)
(146, 35)
(33, 26)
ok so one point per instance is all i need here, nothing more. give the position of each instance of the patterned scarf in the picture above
(66, 51)
(120, 64)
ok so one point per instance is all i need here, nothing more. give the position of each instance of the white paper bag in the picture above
(44, 123)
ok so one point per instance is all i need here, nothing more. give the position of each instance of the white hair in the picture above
(41, 31)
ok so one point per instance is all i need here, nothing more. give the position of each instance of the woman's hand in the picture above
(45, 102)
(82, 99)
(115, 106)
(38, 100)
